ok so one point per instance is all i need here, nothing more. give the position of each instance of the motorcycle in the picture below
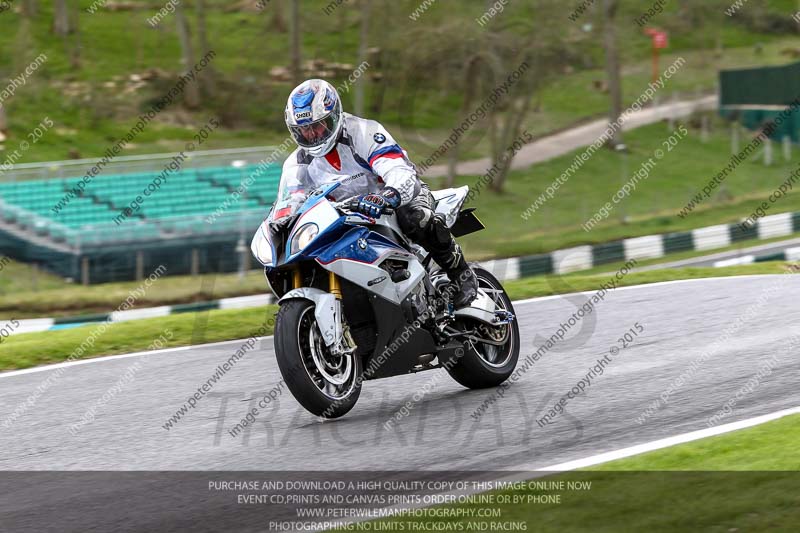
(359, 301)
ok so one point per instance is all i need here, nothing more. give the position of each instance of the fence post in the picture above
(85, 270)
(195, 262)
(139, 265)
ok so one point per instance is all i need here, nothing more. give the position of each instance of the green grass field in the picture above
(114, 45)
(741, 481)
(30, 349)
(651, 208)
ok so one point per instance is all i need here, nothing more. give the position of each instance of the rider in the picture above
(337, 146)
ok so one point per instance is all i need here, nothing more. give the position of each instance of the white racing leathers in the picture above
(366, 159)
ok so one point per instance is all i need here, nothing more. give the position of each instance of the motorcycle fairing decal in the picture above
(347, 247)
(327, 220)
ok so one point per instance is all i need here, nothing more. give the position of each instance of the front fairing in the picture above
(272, 243)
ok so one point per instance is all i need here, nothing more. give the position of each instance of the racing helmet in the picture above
(314, 116)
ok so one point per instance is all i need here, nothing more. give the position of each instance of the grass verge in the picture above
(54, 297)
(742, 481)
(30, 349)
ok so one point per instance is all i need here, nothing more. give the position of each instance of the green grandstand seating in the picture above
(180, 205)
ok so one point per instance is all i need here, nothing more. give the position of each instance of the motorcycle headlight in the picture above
(303, 237)
(262, 249)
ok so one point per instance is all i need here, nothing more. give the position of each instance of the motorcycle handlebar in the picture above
(347, 205)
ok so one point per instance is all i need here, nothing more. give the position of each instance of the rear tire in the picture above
(298, 348)
(481, 366)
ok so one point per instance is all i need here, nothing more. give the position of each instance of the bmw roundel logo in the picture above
(362, 243)
(379, 137)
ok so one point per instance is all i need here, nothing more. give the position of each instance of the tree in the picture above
(530, 55)
(363, 45)
(191, 94)
(209, 75)
(277, 22)
(296, 67)
(29, 8)
(61, 17)
(612, 68)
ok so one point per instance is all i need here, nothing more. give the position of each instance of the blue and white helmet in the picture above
(314, 116)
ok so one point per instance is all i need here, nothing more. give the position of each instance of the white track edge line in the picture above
(535, 473)
(103, 358)
(669, 441)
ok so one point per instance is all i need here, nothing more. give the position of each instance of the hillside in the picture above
(97, 79)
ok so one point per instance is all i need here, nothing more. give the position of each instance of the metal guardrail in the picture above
(76, 168)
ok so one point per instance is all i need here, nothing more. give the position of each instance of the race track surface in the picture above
(684, 335)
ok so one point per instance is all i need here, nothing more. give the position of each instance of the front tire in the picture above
(325, 385)
(485, 365)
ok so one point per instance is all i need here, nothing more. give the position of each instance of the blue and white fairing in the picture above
(341, 244)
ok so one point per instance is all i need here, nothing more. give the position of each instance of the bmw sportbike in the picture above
(359, 301)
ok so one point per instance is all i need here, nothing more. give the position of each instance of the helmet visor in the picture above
(314, 133)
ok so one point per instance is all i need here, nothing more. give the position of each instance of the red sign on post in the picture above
(660, 40)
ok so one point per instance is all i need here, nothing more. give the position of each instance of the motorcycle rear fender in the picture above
(482, 308)
(327, 311)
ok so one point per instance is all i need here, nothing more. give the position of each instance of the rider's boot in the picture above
(452, 261)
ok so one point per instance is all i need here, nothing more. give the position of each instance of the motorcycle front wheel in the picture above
(324, 384)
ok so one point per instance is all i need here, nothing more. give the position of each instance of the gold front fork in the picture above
(333, 285)
(297, 279)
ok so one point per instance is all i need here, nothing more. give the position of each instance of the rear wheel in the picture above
(490, 357)
(326, 385)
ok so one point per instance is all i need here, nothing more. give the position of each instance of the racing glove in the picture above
(373, 205)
